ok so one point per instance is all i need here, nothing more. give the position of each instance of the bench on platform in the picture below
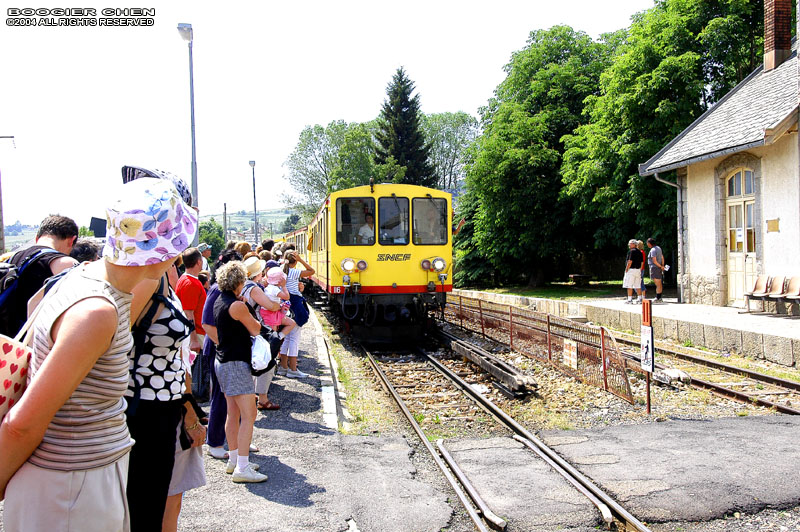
(580, 279)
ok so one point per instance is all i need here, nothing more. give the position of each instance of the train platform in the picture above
(765, 335)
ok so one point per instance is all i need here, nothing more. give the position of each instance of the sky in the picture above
(83, 101)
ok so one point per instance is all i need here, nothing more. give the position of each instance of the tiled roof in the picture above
(735, 123)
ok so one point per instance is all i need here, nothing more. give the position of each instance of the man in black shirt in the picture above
(633, 273)
(57, 233)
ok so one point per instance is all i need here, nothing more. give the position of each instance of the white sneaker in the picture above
(281, 371)
(253, 448)
(218, 452)
(296, 374)
(249, 474)
(638, 301)
(231, 467)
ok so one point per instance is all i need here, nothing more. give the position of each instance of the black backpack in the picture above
(13, 312)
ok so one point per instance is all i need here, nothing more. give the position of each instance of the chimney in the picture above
(777, 32)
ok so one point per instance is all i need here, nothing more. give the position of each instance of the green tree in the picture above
(522, 225)
(676, 60)
(85, 231)
(450, 135)
(327, 159)
(210, 232)
(291, 223)
(400, 136)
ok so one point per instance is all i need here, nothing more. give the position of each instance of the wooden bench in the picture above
(580, 279)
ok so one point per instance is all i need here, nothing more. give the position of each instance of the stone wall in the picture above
(704, 290)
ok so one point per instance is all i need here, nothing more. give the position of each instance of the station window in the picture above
(355, 221)
(393, 221)
(430, 221)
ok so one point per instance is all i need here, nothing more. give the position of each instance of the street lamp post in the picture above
(255, 211)
(188, 35)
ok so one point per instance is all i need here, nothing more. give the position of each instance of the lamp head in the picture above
(186, 31)
(252, 164)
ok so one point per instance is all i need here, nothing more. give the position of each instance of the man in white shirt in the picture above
(367, 232)
(205, 251)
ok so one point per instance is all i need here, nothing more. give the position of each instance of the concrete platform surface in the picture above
(691, 470)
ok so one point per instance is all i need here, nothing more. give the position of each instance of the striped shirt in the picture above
(89, 430)
(292, 279)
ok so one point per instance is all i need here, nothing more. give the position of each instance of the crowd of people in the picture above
(109, 433)
(635, 262)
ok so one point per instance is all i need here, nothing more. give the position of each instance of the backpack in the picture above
(13, 312)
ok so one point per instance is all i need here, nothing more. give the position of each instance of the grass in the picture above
(558, 290)
(369, 409)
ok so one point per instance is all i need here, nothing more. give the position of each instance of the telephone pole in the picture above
(2, 225)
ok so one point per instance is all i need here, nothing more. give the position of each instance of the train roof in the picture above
(379, 189)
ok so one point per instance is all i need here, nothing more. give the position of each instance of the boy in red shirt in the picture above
(193, 296)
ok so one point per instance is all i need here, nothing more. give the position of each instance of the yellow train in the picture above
(384, 253)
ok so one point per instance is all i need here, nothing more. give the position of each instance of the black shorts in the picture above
(656, 273)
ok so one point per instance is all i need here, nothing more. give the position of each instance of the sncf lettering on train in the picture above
(393, 257)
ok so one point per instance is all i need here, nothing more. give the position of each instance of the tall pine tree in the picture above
(400, 139)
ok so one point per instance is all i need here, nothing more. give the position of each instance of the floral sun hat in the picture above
(131, 173)
(149, 224)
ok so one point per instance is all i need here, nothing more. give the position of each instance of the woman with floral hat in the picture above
(69, 427)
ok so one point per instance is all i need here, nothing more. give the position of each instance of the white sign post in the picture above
(648, 350)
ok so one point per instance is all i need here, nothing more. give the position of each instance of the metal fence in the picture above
(586, 352)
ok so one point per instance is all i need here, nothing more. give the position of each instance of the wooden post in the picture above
(461, 309)
(480, 314)
(603, 355)
(510, 328)
(549, 347)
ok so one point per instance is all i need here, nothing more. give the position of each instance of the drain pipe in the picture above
(681, 250)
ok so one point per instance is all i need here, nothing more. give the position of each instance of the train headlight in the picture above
(425, 264)
(346, 280)
(348, 265)
(361, 265)
(439, 264)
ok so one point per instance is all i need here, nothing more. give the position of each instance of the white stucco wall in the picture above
(780, 198)
(780, 190)
(702, 224)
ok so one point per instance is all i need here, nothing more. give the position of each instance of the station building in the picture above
(738, 178)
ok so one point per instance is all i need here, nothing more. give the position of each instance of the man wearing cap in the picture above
(633, 272)
(205, 252)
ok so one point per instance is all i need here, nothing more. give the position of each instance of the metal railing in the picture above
(586, 352)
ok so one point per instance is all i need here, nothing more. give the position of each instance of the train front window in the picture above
(393, 221)
(355, 221)
(430, 221)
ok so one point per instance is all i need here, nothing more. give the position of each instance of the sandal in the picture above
(269, 406)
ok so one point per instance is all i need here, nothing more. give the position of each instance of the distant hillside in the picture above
(243, 220)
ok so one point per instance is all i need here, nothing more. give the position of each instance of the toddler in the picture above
(276, 291)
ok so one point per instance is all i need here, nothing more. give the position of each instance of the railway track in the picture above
(499, 322)
(751, 386)
(410, 378)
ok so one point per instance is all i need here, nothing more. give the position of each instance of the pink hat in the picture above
(275, 275)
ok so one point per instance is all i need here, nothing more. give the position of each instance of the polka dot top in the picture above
(160, 371)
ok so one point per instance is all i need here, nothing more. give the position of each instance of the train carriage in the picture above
(384, 254)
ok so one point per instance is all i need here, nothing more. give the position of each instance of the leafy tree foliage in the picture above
(210, 232)
(676, 60)
(450, 135)
(327, 159)
(400, 135)
(522, 225)
(85, 231)
(291, 223)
